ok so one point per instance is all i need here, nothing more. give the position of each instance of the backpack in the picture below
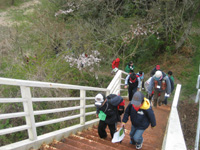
(133, 81)
(116, 101)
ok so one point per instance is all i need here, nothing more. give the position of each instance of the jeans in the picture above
(131, 92)
(136, 135)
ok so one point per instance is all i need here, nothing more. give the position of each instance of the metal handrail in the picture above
(196, 145)
(27, 100)
(174, 139)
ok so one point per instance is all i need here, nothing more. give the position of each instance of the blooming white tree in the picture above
(84, 60)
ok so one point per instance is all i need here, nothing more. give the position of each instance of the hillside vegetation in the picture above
(75, 42)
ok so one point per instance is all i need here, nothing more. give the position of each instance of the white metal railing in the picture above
(174, 139)
(196, 146)
(29, 113)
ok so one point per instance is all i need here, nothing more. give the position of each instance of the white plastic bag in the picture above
(119, 135)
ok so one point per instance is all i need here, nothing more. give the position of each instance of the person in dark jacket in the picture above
(133, 83)
(141, 116)
(171, 78)
(107, 111)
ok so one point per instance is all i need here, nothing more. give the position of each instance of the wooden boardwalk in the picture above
(89, 139)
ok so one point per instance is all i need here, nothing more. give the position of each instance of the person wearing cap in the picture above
(160, 84)
(154, 70)
(141, 116)
(133, 83)
(107, 111)
(129, 67)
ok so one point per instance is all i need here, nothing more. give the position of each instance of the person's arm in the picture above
(97, 112)
(150, 86)
(127, 113)
(151, 116)
(139, 82)
(126, 81)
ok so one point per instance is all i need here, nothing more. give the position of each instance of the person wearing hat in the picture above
(133, 83)
(160, 84)
(154, 70)
(141, 116)
(107, 111)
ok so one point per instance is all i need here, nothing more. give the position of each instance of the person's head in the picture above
(158, 75)
(133, 76)
(157, 67)
(130, 63)
(131, 71)
(137, 99)
(140, 72)
(169, 73)
(117, 60)
(99, 99)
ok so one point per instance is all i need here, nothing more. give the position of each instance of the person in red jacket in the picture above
(115, 65)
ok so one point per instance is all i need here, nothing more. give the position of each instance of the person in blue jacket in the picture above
(141, 76)
(141, 116)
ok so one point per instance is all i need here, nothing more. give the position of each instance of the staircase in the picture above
(89, 140)
(84, 135)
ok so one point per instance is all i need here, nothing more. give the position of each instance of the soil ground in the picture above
(188, 114)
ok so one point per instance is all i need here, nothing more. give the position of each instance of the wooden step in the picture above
(91, 142)
(78, 144)
(63, 146)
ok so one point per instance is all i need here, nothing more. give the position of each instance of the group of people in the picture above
(139, 109)
(159, 86)
(110, 109)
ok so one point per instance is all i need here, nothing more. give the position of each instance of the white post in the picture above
(120, 82)
(197, 96)
(82, 104)
(108, 93)
(196, 146)
(28, 108)
(198, 79)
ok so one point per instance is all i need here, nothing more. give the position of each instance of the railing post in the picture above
(120, 82)
(197, 96)
(28, 108)
(108, 93)
(82, 104)
(198, 79)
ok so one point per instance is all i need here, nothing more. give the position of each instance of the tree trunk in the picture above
(187, 30)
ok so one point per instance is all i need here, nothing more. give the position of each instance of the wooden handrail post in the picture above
(82, 104)
(28, 108)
